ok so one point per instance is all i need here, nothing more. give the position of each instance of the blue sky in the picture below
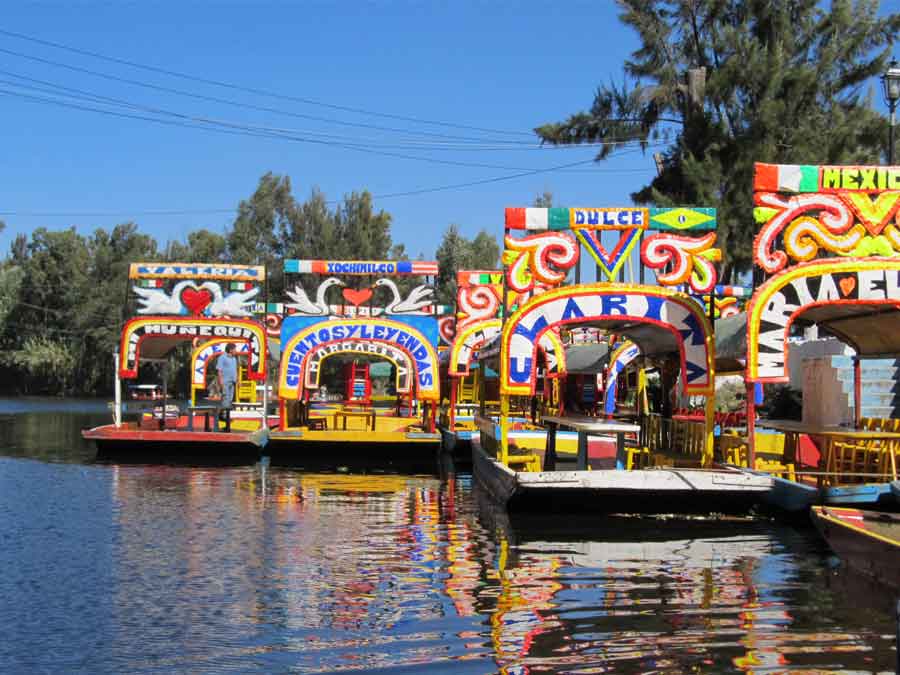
(507, 67)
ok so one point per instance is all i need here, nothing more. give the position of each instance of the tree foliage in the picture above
(62, 293)
(727, 83)
(455, 253)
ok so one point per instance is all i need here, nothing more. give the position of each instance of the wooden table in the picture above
(206, 411)
(344, 414)
(586, 426)
(792, 430)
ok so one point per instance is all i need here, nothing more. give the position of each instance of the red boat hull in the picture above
(129, 440)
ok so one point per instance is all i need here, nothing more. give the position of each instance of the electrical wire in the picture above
(469, 144)
(232, 128)
(253, 90)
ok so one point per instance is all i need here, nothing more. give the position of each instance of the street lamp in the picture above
(890, 81)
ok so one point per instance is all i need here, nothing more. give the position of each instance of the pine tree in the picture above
(726, 83)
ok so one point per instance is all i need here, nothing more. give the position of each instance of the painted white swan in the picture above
(155, 301)
(231, 304)
(302, 303)
(418, 298)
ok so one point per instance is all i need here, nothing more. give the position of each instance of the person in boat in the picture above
(226, 368)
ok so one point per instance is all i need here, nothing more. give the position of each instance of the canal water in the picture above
(115, 568)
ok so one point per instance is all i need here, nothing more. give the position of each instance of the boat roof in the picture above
(587, 359)
(731, 343)
(872, 330)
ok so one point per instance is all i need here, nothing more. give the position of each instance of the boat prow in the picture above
(662, 490)
(867, 541)
(786, 495)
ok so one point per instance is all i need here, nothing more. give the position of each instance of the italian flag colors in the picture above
(537, 219)
(786, 178)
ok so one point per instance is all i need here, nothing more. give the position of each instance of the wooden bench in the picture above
(367, 415)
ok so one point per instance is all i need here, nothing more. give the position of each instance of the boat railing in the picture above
(879, 424)
(668, 442)
(733, 448)
(851, 461)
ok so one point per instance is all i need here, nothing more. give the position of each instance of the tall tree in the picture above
(363, 233)
(731, 82)
(262, 225)
(455, 253)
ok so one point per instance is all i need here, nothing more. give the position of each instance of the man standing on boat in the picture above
(227, 374)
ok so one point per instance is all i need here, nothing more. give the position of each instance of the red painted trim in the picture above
(110, 432)
(515, 218)
(620, 317)
(127, 374)
(304, 364)
(750, 401)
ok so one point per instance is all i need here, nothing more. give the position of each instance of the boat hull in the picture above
(128, 442)
(656, 491)
(406, 452)
(458, 443)
(866, 541)
(879, 496)
(786, 495)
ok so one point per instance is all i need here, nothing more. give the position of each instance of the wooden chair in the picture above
(317, 424)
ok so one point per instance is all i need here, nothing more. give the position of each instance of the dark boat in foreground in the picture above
(867, 541)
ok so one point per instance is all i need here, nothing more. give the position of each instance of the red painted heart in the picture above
(357, 297)
(847, 285)
(195, 299)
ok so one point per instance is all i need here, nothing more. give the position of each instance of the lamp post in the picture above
(890, 82)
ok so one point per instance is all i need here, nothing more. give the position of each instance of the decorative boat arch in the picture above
(404, 363)
(626, 306)
(834, 290)
(621, 357)
(164, 332)
(483, 333)
(400, 336)
(204, 353)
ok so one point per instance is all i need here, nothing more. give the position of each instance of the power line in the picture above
(469, 144)
(81, 94)
(240, 104)
(253, 90)
(210, 124)
(387, 195)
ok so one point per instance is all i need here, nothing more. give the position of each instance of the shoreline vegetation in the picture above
(63, 294)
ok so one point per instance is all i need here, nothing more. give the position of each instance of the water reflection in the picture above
(130, 568)
(640, 595)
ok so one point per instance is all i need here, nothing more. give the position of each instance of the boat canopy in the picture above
(731, 343)
(146, 338)
(587, 359)
(872, 330)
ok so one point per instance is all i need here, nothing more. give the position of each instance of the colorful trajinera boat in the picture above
(827, 248)
(360, 313)
(204, 306)
(867, 541)
(651, 469)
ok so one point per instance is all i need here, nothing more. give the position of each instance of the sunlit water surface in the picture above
(156, 569)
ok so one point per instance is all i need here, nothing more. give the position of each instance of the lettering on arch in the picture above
(473, 337)
(175, 329)
(206, 352)
(670, 310)
(312, 364)
(782, 298)
(403, 336)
